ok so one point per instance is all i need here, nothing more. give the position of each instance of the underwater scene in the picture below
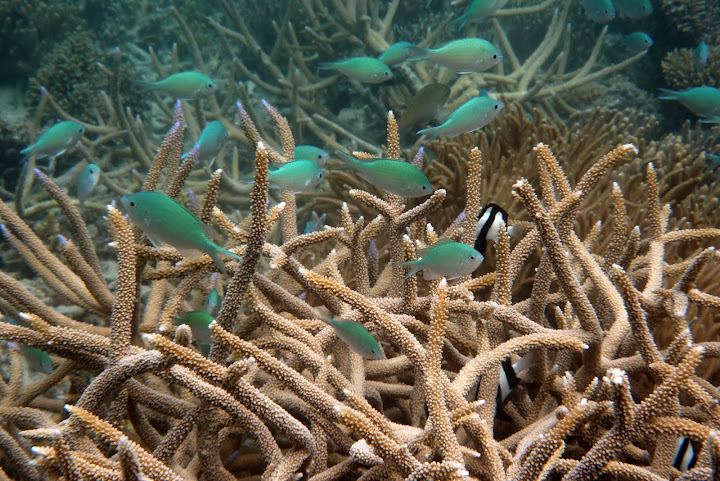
(281, 240)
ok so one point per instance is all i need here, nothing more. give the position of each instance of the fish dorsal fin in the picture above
(324, 316)
(423, 252)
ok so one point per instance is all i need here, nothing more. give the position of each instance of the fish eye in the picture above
(132, 204)
(320, 175)
(319, 156)
(424, 187)
(472, 257)
(210, 85)
(494, 55)
(387, 73)
(495, 106)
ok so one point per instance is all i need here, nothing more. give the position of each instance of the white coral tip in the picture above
(24, 315)
(346, 391)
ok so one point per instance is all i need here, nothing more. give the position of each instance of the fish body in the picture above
(199, 322)
(397, 53)
(363, 69)
(635, 9)
(355, 335)
(310, 152)
(424, 105)
(684, 455)
(488, 226)
(211, 140)
(37, 360)
(56, 140)
(701, 54)
(183, 85)
(600, 11)
(702, 101)
(88, 180)
(395, 176)
(479, 9)
(637, 41)
(509, 379)
(464, 55)
(474, 114)
(164, 219)
(213, 304)
(315, 223)
(445, 258)
(297, 176)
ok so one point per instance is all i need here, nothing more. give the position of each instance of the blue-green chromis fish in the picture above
(363, 69)
(635, 9)
(395, 176)
(701, 54)
(183, 85)
(445, 258)
(637, 42)
(163, 219)
(310, 152)
(211, 140)
(315, 223)
(702, 101)
(56, 140)
(472, 115)
(297, 176)
(600, 11)
(398, 53)
(199, 323)
(713, 160)
(87, 181)
(424, 106)
(38, 360)
(479, 9)
(354, 334)
(464, 55)
(213, 304)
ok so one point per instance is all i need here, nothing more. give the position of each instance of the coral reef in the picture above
(682, 71)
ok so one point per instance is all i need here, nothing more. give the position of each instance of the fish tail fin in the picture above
(146, 86)
(711, 120)
(327, 66)
(669, 94)
(462, 18)
(419, 53)
(248, 179)
(431, 133)
(349, 162)
(215, 253)
(324, 316)
(414, 266)
(28, 151)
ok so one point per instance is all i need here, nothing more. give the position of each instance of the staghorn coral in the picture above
(681, 71)
(281, 397)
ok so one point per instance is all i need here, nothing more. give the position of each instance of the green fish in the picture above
(183, 85)
(424, 106)
(635, 9)
(297, 176)
(163, 219)
(363, 69)
(395, 176)
(354, 334)
(38, 360)
(315, 223)
(199, 322)
(445, 258)
(701, 54)
(479, 9)
(211, 140)
(702, 101)
(472, 115)
(213, 304)
(56, 140)
(464, 55)
(88, 180)
(637, 42)
(310, 152)
(600, 11)
(398, 53)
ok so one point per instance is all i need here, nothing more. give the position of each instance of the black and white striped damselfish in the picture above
(509, 379)
(685, 455)
(488, 226)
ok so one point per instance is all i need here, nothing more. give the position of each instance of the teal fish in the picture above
(310, 152)
(714, 160)
(363, 69)
(199, 322)
(464, 55)
(424, 106)
(637, 42)
(211, 140)
(701, 54)
(354, 334)
(479, 9)
(445, 258)
(395, 176)
(398, 53)
(635, 9)
(472, 115)
(297, 176)
(315, 223)
(702, 101)
(213, 304)
(88, 180)
(164, 219)
(38, 360)
(600, 11)
(56, 140)
(183, 85)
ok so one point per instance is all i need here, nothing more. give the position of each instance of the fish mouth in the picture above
(125, 201)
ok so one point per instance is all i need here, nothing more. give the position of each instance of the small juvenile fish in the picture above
(163, 219)
(684, 455)
(637, 42)
(183, 85)
(397, 53)
(56, 140)
(509, 379)
(488, 226)
(424, 106)
(87, 181)
(635, 9)
(600, 11)
(445, 258)
(479, 9)
(310, 152)
(211, 140)
(315, 223)
(395, 176)
(474, 114)
(354, 334)
(702, 101)
(38, 360)
(213, 304)
(701, 54)
(363, 69)
(464, 55)
(297, 176)
(199, 322)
